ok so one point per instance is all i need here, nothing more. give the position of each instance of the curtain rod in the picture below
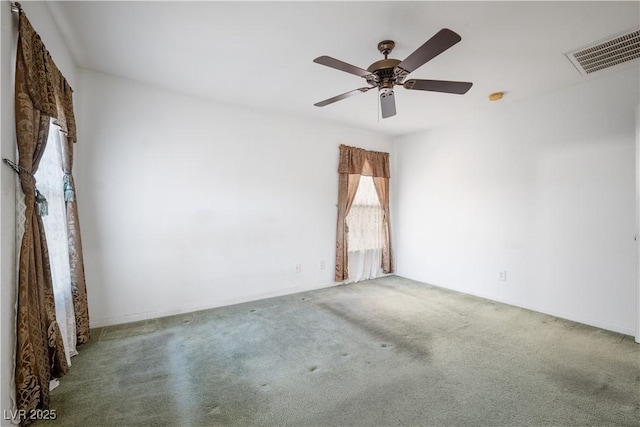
(16, 7)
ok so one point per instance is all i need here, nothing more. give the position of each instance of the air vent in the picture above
(606, 53)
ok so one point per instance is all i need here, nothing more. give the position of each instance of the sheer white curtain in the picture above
(50, 182)
(365, 233)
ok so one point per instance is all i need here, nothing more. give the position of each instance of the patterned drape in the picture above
(76, 260)
(41, 93)
(347, 187)
(355, 162)
(382, 188)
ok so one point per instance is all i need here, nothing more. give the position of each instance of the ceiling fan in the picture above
(387, 73)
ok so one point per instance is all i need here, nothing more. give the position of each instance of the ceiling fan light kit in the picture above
(386, 73)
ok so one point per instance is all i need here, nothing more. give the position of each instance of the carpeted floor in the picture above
(387, 352)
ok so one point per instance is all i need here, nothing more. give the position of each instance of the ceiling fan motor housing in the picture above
(383, 71)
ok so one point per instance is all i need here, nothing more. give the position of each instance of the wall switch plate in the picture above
(322, 265)
(502, 275)
(297, 268)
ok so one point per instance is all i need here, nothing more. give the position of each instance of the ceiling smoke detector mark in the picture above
(496, 96)
(606, 53)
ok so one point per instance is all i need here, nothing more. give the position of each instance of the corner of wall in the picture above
(637, 223)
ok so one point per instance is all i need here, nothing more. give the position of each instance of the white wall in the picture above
(41, 20)
(543, 189)
(187, 204)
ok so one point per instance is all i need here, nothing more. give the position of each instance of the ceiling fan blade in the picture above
(459, 88)
(388, 104)
(433, 47)
(342, 96)
(342, 66)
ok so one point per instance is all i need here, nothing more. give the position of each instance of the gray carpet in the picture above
(386, 352)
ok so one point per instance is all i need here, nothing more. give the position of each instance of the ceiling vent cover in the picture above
(606, 53)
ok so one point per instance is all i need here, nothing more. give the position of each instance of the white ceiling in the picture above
(259, 54)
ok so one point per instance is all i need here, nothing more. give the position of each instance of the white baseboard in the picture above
(221, 302)
(598, 323)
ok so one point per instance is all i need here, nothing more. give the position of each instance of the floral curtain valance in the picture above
(355, 160)
(48, 90)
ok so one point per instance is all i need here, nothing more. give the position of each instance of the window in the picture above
(50, 183)
(363, 175)
(365, 233)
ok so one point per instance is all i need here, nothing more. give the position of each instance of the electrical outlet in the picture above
(322, 265)
(297, 268)
(502, 275)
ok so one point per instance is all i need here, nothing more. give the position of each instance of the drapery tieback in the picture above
(16, 168)
(69, 193)
(43, 205)
(41, 201)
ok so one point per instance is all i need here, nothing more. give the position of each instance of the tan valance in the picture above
(355, 160)
(48, 90)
